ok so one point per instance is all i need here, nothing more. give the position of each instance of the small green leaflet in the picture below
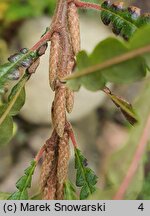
(69, 191)
(19, 101)
(85, 177)
(6, 128)
(124, 106)
(24, 183)
(15, 102)
(113, 61)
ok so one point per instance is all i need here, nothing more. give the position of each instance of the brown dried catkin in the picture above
(55, 53)
(74, 28)
(62, 167)
(59, 111)
(48, 178)
(64, 46)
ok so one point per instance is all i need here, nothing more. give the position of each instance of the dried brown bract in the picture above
(41, 51)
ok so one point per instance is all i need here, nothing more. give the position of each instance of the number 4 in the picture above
(141, 207)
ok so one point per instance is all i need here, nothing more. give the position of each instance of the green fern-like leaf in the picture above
(85, 177)
(24, 183)
(124, 21)
(101, 63)
(10, 70)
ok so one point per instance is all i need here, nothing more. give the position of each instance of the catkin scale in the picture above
(55, 52)
(62, 167)
(74, 28)
(59, 112)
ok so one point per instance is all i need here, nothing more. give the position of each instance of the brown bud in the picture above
(62, 167)
(34, 66)
(41, 51)
(59, 112)
(55, 52)
(69, 100)
(74, 28)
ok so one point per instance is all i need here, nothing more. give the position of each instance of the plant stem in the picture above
(40, 154)
(71, 134)
(73, 139)
(42, 41)
(108, 63)
(86, 5)
(134, 164)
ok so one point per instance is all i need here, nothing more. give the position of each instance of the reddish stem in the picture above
(134, 164)
(71, 134)
(40, 154)
(42, 41)
(73, 139)
(86, 5)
